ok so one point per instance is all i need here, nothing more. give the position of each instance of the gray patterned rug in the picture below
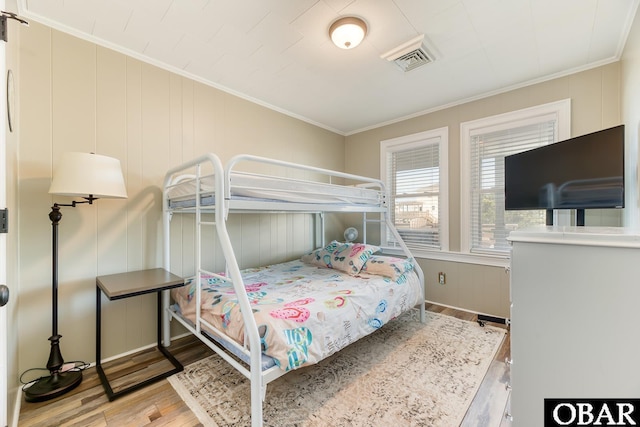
(405, 374)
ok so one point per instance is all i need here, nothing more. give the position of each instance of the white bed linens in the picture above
(262, 187)
(304, 313)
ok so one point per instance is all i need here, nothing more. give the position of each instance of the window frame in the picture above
(561, 110)
(417, 140)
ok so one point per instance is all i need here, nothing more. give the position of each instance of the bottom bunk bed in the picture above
(304, 312)
(305, 309)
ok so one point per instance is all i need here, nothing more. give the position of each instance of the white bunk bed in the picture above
(202, 186)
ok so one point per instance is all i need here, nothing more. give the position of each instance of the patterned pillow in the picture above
(347, 257)
(387, 266)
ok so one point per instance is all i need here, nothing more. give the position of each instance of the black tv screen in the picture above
(585, 172)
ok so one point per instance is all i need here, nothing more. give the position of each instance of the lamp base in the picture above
(53, 386)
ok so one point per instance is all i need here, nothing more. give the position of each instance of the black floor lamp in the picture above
(91, 177)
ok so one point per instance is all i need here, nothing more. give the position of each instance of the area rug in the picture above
(405, 374)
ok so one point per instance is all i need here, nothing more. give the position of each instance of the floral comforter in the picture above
(304, 313)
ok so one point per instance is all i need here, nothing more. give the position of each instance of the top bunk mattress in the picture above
(253, 187)
(304, 312)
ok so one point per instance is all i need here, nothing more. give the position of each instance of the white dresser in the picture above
(575, 314)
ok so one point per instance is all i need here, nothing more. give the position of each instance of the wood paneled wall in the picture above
(77, 96)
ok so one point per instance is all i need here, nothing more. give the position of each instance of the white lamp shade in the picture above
(348, 32)
(86, 174)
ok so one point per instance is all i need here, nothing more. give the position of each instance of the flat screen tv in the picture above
(585, 172)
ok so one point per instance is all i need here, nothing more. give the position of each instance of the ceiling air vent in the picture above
(410, 55)
(413, 60)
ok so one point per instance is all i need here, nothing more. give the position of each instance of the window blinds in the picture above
(490, 223)
(414, 177)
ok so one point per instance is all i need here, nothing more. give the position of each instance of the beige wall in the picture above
(595, 104)
(76, 96)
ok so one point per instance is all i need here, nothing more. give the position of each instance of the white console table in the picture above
(575, 314)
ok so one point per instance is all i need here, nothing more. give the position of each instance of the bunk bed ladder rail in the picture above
(258, 386)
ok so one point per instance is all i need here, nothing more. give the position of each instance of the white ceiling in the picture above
(278, 52)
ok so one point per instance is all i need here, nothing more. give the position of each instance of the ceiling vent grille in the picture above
(410, 55)
(414, 59)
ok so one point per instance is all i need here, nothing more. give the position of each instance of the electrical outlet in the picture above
(442, 279)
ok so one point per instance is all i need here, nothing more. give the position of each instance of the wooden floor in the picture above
(159, 405)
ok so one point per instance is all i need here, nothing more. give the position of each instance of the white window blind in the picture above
(490, 223)
(413, 170)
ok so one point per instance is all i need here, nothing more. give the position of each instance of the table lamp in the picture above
(91, 177)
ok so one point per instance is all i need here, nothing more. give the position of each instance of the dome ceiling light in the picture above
(348, 32)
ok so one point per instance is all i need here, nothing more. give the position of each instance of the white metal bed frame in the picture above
(224, 203)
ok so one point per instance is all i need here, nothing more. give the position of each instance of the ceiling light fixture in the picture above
(348, 32)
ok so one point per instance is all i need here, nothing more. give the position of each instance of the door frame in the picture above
(4, 386)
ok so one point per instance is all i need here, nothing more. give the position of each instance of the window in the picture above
(414, 168)
(484, 145)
